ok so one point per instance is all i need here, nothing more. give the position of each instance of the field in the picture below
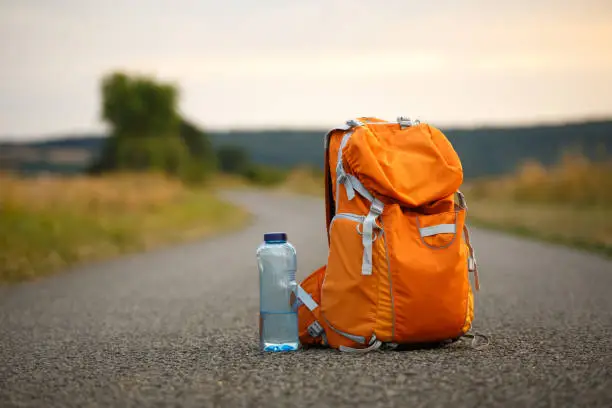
(569, 202)
(50, 223)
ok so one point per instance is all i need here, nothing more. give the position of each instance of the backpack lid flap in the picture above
(413, 166)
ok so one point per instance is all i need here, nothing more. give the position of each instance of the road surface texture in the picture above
(178, 327)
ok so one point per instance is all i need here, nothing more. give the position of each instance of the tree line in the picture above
(483, 151)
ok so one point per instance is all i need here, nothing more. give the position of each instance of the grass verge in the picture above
(582, 228)
(568, 203)
(48, 224)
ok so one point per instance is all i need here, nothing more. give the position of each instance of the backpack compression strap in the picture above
(315, 329)
(329, 198)
(472, 264)
(352, 184)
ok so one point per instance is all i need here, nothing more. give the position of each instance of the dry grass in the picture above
(569, 202)
(304, 181)
(574, 180)
(125, 193)
(49, 223)
(583, 228)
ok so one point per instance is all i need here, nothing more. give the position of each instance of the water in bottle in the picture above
(278, 324)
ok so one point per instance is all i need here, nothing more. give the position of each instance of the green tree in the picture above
(139, 106)
(147, 132)
(203, 162)
(199, 145)
(233, 160)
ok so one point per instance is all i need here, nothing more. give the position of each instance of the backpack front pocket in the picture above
(430, 275)
(349, 298)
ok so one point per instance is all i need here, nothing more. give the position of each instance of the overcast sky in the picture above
(309, 63)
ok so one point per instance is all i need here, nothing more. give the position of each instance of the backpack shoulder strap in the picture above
(330, 202)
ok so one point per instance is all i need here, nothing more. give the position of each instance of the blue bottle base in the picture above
(281, 347)
(278, 331)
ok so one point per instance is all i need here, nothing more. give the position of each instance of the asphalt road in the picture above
(178, 327)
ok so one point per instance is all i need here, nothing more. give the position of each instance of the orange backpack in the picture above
(399, 255)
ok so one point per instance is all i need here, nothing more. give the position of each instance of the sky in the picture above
(310, 63)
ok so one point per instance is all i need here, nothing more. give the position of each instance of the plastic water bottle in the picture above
(278, 323)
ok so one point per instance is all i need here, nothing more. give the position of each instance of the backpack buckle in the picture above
(315, 329)
(353, 123)
(405, 121)
(377, 207)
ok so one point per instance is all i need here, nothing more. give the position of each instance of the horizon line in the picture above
(73, 134)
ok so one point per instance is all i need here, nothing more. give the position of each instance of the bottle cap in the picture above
(275, 236)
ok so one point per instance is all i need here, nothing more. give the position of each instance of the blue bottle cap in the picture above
(275, 236)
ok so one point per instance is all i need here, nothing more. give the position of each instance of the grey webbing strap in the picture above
(438, 229)
(306, 299)
(341, 176)
(376, 209)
